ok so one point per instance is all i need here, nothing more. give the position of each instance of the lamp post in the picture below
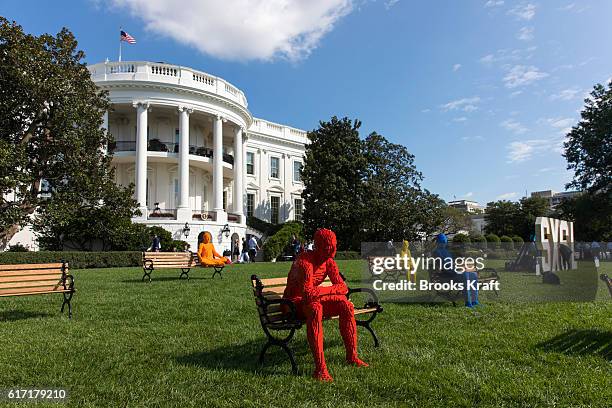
(186, 230)
(226, 230)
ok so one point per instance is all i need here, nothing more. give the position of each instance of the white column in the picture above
(105, 127)
(238, 173)
(142, 110)
(183, 212)
(218, 168)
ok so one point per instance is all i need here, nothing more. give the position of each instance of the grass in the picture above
(179, 343)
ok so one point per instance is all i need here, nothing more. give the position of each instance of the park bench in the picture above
(278, 315)
(184, 261)
(608, 281)
(391, 275)
(37, 279)
(167, 260)
(485, 275)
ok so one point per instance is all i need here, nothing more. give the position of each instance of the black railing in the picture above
(157, 212)
(155, 145)
(122, 146)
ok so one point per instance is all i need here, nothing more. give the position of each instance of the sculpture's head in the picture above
(207, 238)
(324, 244)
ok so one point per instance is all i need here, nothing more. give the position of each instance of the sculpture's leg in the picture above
(314, 332)
(341, 307)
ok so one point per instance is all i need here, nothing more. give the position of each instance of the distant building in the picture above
(467, 205)
(554, 198)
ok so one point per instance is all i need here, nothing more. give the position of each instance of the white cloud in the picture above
(525, 34)
(464, 104)
(520, 151)
(507, 55)
(560, 123)
(242, 30)
(524, 11)
(456, 67)
(506, 196)
(520, 75)
(566, 94)
(494, 3)
(390, 3)
(513, 126)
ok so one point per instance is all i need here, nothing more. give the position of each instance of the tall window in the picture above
(225, 201)
(176, 192)
(250, 205)
(274, 167)
(250, 163)
(274, 208)
(297, 171)
(297, 209)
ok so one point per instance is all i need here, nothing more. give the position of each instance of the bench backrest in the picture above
(271, 289)
(170, 259)
(32, 278)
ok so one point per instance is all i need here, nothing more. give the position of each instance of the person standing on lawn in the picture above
(253, 248)
(155, 244)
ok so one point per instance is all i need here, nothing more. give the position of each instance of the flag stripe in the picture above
(127, 38)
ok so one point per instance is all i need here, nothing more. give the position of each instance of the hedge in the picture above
(276, 244)
(347, 255)
(76, 260)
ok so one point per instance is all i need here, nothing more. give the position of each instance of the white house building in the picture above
(195, 153)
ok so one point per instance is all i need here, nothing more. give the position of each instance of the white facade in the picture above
(194, 152)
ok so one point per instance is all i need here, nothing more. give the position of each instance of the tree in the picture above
(588, 148)
(501, 217)
(334, 166)
(395, 205)
(592, 216)
(50, 134)
(530, 209)
(455, 220)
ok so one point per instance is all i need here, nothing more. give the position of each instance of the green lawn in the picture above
(179, 343)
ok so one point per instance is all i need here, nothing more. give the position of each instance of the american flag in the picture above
(127, 38)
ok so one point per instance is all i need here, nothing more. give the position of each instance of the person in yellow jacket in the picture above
(207, 254)
(405, 252)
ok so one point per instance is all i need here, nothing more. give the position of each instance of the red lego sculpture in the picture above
(314, 302)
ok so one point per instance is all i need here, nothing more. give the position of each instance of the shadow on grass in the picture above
(581, 342)
(14, 315)
(166, 278)
(245, 356)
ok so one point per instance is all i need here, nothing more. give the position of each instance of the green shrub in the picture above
(506, 242)
(517, 240)
(264, 227)
(492, 241)
(275, 245)
(478, 241)
(17, 248)
(176, 246)
(347, 255)
(76, 260)
(165, 238)
(461, 239)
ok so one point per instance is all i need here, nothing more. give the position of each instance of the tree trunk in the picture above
(7, 234)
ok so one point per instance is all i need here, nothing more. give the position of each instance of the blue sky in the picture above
(481, 91)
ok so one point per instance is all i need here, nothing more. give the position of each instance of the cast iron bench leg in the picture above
(67, 299)
(285, 347)
(184, 272)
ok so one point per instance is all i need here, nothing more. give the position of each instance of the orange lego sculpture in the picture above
(315, 302)
(207, 254)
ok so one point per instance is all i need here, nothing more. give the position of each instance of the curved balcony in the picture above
(155, 145)
(168, 74)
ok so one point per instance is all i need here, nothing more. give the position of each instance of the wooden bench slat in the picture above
(32, 284)
(30, 272)
(30, 266)
(17, 292)
(283, 281)
(27, 278)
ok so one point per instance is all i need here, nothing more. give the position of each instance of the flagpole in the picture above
(119, 44)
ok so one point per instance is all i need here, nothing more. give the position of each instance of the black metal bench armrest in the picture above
(147, 263)
(292, 309)
(69, 286)
(369, 291)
